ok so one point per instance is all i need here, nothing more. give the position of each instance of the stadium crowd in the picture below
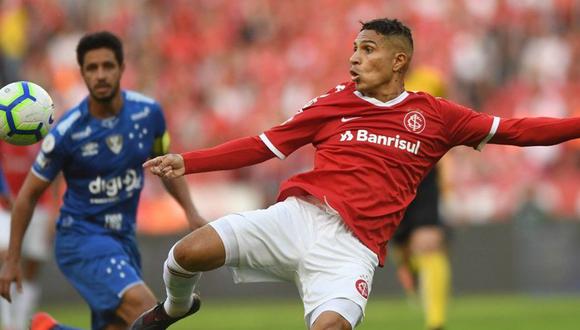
(224, 69)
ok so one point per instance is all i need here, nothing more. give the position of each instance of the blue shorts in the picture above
(101, 268)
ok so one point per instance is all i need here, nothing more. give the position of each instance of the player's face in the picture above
(102, 74)
(373, 62)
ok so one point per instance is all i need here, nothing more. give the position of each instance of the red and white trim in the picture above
(379, 103)
(271, 146)
(491, 133)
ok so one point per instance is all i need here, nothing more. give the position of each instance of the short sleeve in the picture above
(160, 134)
(465, 126)
(294, 133)
(51, 157)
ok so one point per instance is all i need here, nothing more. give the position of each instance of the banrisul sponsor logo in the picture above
(362, 135)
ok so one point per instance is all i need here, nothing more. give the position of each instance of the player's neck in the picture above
(385, 95)
(104, 110)
(386, 92)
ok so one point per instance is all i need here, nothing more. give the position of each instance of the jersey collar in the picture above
(378, 103)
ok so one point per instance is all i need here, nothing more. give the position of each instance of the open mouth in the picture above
(354, 76)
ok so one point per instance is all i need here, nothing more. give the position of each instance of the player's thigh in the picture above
(101, 268)
(265, 245)
(134, 302)
(425, 239)
(335, 314)
(338, 266)
(331, 321)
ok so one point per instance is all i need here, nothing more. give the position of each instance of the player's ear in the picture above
(400, 62)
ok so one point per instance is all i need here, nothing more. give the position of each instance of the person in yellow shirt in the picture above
(419, 243)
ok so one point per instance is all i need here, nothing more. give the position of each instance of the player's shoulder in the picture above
(426, 100)
(139, 105)
(422, 96)
(70, 119)
(133, 97)
(341, 93)
(67, 123)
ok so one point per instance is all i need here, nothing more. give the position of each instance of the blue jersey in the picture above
(4, 189)
(101, 162)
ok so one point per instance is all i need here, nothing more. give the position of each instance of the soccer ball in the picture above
(26, 113)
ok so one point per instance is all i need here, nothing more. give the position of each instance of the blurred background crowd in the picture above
(224, 69)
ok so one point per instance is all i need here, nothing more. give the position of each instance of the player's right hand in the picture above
(9, 273)
(166, 166)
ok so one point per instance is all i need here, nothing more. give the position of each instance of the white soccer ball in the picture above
(26, 113)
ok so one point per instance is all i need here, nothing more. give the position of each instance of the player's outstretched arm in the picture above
(166, 166)
(539, 131)
(31, 190)
(227, 156)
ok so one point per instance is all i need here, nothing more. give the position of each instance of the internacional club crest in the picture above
(362, 287)
(414, 122)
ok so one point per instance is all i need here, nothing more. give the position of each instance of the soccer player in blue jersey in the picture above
(99, 147)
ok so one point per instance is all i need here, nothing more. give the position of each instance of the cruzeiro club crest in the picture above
(414, 122)
(115, 143)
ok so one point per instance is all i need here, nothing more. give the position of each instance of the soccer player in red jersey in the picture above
(329, 230)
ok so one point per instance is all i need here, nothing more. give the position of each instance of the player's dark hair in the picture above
(389, 27)
(103, 39)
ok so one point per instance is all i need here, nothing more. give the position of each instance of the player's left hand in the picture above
(9, 273)
(166, 166)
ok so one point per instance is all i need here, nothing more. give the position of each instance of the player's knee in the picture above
(181, 252)
(331, 321)
(201, 250)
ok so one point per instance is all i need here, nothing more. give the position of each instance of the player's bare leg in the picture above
(201, 250)
(135, 302)
(331, 321)
(428, 250)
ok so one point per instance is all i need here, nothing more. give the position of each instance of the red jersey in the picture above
(16, 162)
(370, 156)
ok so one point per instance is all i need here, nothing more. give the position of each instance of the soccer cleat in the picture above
(42, 321)
(157, 319)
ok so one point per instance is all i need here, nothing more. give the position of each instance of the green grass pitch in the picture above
(466, 313)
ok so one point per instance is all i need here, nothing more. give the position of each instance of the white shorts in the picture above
(36, 244)
(299, 242)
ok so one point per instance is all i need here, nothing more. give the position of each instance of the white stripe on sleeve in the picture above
(271, 146)
(491, 133)
(38, 175)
